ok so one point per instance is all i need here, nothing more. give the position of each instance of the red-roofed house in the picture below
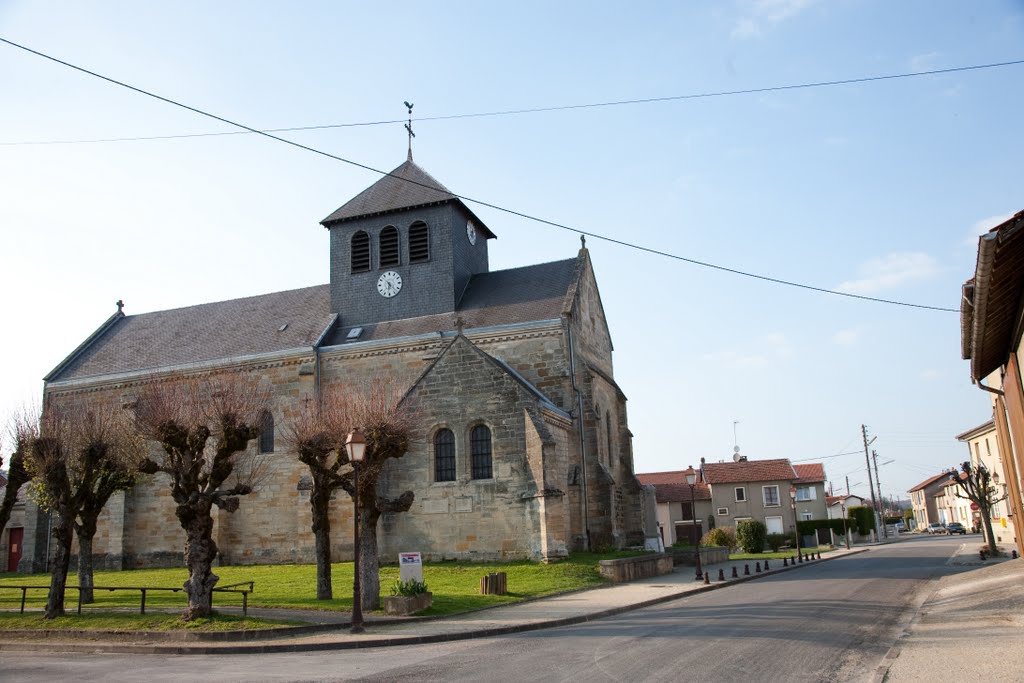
(839, 506)
(679, 517)
(922, 498)
(752, 489)
(810, 491)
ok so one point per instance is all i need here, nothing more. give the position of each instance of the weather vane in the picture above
(408, 127)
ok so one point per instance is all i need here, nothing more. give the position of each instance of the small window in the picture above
(360, 252)
(389, 247)
(419, 242)
(266, 440)
(444, 455)
(741, 494)
(805, 493)
(806, 516)
(771, 495)
(723, 512)
(480, 448)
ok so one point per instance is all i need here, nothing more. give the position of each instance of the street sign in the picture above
(974, 506)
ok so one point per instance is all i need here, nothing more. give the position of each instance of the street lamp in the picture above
(355, 444)
(796, 531)
(691, 479)
(846, 532)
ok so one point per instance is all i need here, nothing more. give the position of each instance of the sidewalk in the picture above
(969, 627)
(331, 630)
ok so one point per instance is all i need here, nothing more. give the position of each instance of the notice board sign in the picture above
(410, 566)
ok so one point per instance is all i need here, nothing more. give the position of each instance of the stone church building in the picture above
(524, 449)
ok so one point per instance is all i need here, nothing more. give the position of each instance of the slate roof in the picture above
(504, 297)
(207, 332)
(749, 470)
(405, 187)
(811, 473)
(929, 481)
(250, 326)
(980, 429)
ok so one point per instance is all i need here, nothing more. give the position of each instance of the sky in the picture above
(875, 188)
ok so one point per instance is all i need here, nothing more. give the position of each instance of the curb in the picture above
(104, 647)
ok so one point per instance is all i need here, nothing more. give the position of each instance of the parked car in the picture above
(935, 528)
(955, 528)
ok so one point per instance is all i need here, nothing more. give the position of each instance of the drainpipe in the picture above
(582, 432)
(977, 382)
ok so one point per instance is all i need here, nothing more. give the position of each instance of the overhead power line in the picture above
(480, 202)
(533, 110)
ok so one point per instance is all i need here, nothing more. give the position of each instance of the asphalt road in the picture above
(833, 621)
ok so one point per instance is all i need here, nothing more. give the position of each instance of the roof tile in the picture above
(748, 470)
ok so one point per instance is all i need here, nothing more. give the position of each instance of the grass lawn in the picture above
(116, 621)
(776, 556)
(455, 585)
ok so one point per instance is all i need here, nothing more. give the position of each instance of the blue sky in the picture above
(874, 188)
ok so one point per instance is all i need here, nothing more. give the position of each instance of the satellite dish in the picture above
(735, 449)
(736, 457)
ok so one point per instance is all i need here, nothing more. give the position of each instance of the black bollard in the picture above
(746, 570)
(721, 575)
(707, 578)
(766, 565)
(734, 574)
(785, 562)
(757, 568)
(1013, 554)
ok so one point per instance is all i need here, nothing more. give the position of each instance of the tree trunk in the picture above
(369, 562)
(16, 478)
(63, 533)
(200, 552)
(991, 537)
(85, 580)
(319, 501)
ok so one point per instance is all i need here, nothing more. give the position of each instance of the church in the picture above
(523, 448)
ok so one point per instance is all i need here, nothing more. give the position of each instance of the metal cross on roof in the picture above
(408, 127)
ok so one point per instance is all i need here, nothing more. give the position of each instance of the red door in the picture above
(14, 549)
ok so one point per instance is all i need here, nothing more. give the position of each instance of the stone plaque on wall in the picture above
(463, 504)
(436, 507)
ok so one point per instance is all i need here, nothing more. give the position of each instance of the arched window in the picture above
(444, 455)
(389, 247)
(360, 252)
(480, 450)
(419, 242)
(266, 444)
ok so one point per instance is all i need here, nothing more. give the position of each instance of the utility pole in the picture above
(847, 486)
(867, 459)
(878, 485)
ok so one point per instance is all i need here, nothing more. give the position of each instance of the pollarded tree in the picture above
(78, 456)
(974, 483)
(317, 433)
(204, 427)
(16, 476)
(387, 422)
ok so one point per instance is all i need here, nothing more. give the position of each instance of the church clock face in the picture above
(471, 232)
(389, 284)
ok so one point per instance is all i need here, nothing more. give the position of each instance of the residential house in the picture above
(991, 336)
(839, 506)
(950, 506)
(810, 491)
(922, 498)
(752, 489)
(983, 449)
(680, 517)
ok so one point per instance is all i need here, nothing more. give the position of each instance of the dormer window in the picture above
(389, 247)
(419, 242)
(360, 252)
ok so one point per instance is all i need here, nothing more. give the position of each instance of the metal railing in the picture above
(230, 588)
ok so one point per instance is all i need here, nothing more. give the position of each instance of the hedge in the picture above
(810, 526)
(863, 517)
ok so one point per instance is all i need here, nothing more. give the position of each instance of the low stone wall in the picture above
(708, 555)
(632, 568)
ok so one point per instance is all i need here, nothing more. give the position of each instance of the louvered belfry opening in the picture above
(389, 247)
(419, 242)
(360, 252)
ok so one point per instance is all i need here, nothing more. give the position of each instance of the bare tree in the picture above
(974, 483)
(387, 421)
(204, 427)
(17, 476)
(317, 433)
(79, 456)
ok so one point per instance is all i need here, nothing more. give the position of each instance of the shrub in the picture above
(409, 588)
(776, 541)
(863, 518)
(722, 535)
(750, 535)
